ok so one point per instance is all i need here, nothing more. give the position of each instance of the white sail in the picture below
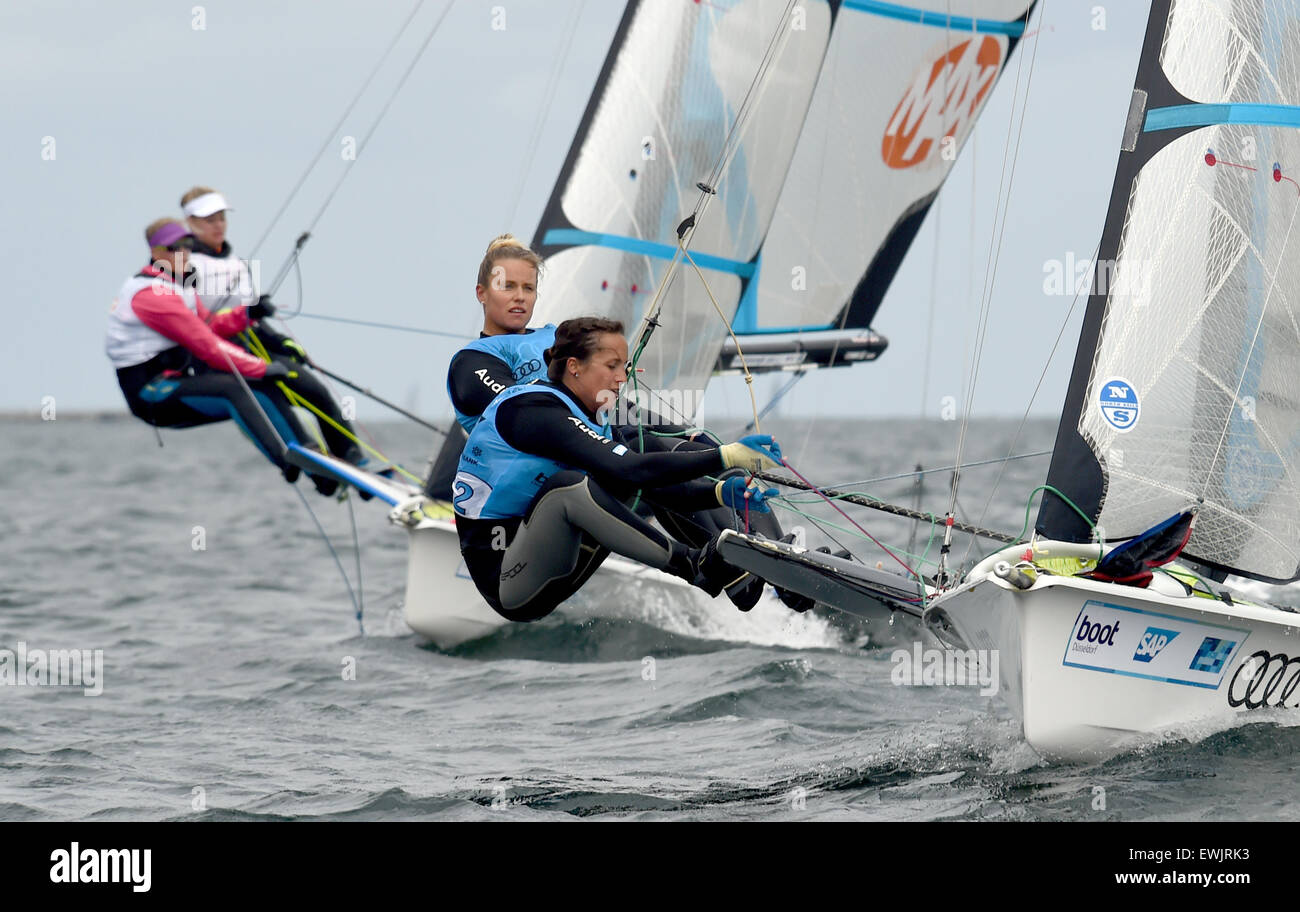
(1185, 387)
(899, 93)
(676, 78)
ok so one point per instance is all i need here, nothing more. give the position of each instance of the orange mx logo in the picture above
(941, 102)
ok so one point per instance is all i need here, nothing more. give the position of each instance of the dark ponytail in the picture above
(576, 338)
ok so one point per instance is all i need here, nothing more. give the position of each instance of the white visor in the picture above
(205, 205)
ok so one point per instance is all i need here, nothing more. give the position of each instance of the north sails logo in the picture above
(1118, 401)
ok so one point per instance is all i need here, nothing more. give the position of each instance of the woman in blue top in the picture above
(506, 351)
(541, 485)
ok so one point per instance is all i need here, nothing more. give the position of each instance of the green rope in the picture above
(1071, 504)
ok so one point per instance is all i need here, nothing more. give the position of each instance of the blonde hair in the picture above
(194, 193)
(506, 247)
(158, 223)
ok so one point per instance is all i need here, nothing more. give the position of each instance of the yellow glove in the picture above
(755, 453)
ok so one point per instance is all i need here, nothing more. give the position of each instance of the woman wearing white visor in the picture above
(224, 282)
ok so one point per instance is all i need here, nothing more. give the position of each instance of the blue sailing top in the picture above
(522, 353)
(496, 481)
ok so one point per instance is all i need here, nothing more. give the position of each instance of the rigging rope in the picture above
(414, 329)
(708, 188)
(383, 111)
(302, 179)
(356, 602)
(1034, 395)
(990, 278)
(337, 126)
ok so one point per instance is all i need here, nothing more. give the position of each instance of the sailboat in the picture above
(812, 229)
(1175, 459)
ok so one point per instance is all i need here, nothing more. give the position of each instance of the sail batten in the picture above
(1181, 392)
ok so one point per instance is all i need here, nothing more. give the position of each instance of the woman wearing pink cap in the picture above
(224, 281)
(176, 366)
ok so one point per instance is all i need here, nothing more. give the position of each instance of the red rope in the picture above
(879, 544)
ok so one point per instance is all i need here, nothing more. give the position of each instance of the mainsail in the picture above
(1184, 388)
(676, 77)
(899, 92)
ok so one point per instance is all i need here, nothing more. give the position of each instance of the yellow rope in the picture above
(296, 399)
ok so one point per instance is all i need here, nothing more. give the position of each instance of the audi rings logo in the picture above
(1265, 679)
(527, 369)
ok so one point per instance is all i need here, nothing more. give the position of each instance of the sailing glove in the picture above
(755, 453)
(295, 351)
(277, 371)
(263, 308)
(733, 492)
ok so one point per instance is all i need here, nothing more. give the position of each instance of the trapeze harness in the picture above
(534, 527)
(476, 374)
(171, 359)
(223, 278)
(491, 364)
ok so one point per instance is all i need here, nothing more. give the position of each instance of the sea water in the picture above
(235, 682)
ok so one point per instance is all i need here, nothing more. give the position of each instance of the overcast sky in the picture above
(113, 110)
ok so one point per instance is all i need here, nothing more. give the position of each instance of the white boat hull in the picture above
(443, 605)
(1091, 667)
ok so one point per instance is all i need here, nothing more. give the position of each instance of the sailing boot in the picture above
(325, 486)
(746, 591)
(714, 575)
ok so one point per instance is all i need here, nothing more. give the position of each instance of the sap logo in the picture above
(1152, 642)
(482, 374)
(1094, 632)
(514, 571)
(526, 369)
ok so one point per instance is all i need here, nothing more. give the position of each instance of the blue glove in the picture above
(755, 453)
(733, 492)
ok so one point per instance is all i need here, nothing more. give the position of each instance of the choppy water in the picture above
(224, 694)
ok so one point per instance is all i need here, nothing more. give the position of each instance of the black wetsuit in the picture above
(174, 390)
(525, 566)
